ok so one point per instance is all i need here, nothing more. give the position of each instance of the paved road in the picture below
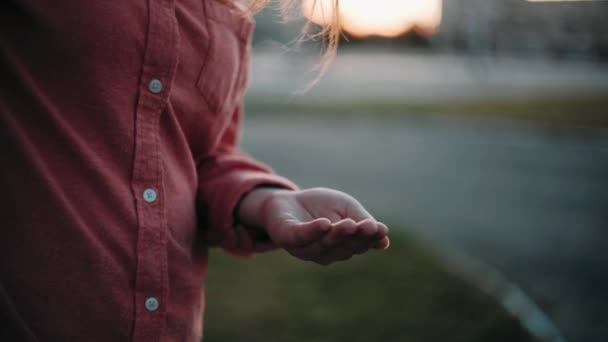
(530, 201)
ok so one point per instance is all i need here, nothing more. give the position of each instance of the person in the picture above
(119, 127)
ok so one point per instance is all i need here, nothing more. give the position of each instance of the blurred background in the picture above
(478, 129)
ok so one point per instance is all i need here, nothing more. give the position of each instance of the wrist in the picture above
(251, 211)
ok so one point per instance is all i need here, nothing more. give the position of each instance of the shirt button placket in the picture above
(150, 195)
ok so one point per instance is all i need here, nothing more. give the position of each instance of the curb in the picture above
(507, 293)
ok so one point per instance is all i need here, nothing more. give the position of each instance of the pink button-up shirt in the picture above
(119, 164)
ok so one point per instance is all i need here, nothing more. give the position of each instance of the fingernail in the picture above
(388, 244)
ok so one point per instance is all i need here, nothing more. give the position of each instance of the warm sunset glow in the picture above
(388, 18)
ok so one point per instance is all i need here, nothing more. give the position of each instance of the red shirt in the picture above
(119, 167)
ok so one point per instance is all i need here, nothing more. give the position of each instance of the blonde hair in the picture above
(329, 31)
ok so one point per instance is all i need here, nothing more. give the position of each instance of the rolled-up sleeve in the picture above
(225, 176)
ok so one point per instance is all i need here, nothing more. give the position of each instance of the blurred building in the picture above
(560, 29)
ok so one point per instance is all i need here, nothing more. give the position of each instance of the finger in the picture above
(367, 228)
(363, 241)
(306, 233)
(364, 238)
(339, 231)
(383, 244)
(369, 234)
(383, 241)
(346, 227)
(382, 230)
(346, 238)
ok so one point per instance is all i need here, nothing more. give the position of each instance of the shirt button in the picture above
(155, 86)
(149, 195)
(152, 304)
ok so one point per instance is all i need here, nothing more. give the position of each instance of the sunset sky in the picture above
(387, 18)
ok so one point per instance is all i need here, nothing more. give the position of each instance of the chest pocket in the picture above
(223, 76)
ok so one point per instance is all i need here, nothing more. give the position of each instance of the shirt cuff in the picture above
(222, 218)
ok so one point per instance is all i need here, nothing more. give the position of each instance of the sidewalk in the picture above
(417, 77)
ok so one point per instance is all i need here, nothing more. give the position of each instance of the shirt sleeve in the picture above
(225, 176)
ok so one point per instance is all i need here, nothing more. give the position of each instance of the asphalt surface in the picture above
(527, 200)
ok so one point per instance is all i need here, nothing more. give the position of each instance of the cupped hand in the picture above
(321, 225)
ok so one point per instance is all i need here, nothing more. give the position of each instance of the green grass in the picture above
(583, 111)
(403, 294)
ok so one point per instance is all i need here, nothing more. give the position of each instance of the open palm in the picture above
(322, 225)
